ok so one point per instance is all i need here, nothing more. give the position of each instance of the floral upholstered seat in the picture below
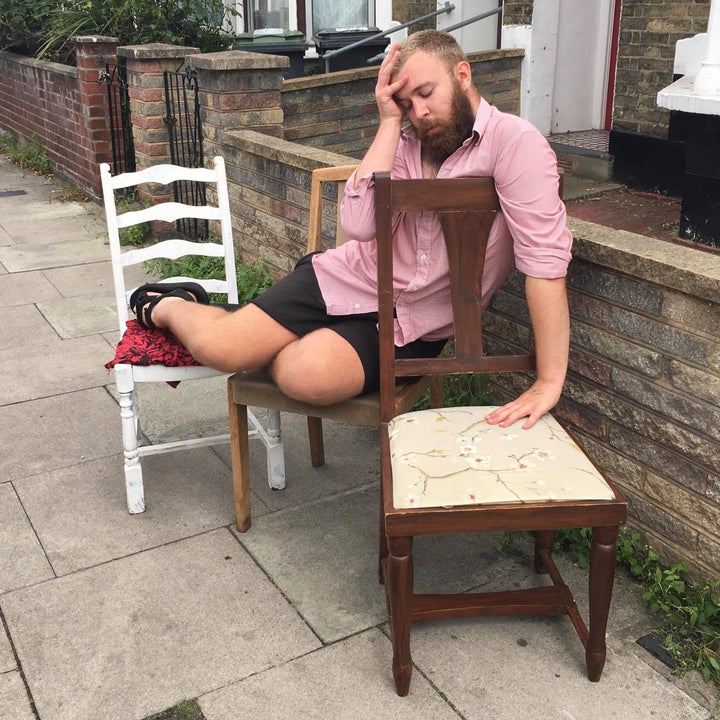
(451, 456)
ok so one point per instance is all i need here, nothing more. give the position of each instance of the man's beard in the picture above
(448, 136)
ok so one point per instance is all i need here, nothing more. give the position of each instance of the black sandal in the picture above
(142, 304)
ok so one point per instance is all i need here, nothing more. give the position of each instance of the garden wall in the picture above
(643, 390)
(64, 106)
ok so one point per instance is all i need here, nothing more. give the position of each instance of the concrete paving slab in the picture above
(56, 432)
(21, 258)
(7, 659)
(61, 230)
(14, 703)
(133, 637)
(25, 288)
(350, 680)
(93, 279)
(194, 408)
(5, 238)
(508, 668)
(80, 513)
(52, 368)
(22, 559)
(351, 461)
(24, 325)
(80, 316)
(328, 567)
(41, 211)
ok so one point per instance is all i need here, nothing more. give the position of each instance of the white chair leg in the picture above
(275, 452)
(129, 420)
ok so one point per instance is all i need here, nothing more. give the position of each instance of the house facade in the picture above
(588, 65)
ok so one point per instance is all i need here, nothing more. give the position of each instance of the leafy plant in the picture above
(44, 28)
(688, 608)
(28, 154)
(187, 710)
(135, 234)
(252, 278)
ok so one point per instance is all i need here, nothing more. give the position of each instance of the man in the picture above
(316, 328)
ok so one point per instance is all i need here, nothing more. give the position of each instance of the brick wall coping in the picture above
(343, 76)
(678, 266)
(96, 39)
(283, 151)
(239, 60)
(59, 68)
(155, 51)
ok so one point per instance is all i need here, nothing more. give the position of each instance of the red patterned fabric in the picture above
(141, 346)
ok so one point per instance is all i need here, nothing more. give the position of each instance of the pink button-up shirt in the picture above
(530, 233)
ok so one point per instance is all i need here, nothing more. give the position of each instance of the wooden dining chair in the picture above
(257, 389)
(447, 471)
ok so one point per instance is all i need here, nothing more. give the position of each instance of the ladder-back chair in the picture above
(447, 471)
(128, 375)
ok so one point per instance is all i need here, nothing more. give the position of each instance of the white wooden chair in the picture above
(127, 375)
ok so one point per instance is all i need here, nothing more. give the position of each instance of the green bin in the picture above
(290, 43)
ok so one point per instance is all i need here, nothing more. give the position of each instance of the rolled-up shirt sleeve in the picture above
(526, 179)
(357, 211)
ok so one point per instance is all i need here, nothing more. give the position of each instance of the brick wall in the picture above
(517, 12)
(337, 112)
(269, 188)
(63, 106)
(646, 52)
(406, 10)
(643, 391)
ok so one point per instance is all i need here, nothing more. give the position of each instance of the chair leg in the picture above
(603, 553)
(543, 541)
(317, 443)
(399, 589)
(275, 451)
(240, 453)
(129, 421)
(437, 392)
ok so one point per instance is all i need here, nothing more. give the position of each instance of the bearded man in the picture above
(316, 329)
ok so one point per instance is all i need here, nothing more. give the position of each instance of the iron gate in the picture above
(182, 117)
(121, 135)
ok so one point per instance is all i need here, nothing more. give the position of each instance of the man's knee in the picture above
(316, 383)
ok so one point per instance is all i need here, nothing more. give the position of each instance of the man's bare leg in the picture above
(319, 368)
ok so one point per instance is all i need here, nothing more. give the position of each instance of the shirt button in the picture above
(357, 306)
(423, 257)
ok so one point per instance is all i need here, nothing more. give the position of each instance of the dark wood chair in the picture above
(446, 471)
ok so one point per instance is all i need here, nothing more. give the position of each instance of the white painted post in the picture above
(707, 81)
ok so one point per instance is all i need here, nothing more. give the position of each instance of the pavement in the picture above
(111, 616)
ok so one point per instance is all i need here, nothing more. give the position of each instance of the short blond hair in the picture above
(440, 44)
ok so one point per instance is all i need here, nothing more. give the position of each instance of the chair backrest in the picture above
(337, 174)
(169, 212)
(466, 208)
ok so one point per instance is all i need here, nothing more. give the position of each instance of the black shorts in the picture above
(296, 302)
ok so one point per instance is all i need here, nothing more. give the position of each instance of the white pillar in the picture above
(707, 81)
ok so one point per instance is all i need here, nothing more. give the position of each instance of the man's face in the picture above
(436, 104)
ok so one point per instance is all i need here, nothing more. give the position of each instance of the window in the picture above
(330, 14)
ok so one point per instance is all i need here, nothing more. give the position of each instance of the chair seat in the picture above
(256, 388)
(451, 456)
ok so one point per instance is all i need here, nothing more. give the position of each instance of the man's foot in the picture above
(146, 297)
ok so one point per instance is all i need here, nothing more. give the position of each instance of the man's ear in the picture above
(463, 73)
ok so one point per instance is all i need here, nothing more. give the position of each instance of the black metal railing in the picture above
(185, 137)
(448, 7)
(121, 135)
